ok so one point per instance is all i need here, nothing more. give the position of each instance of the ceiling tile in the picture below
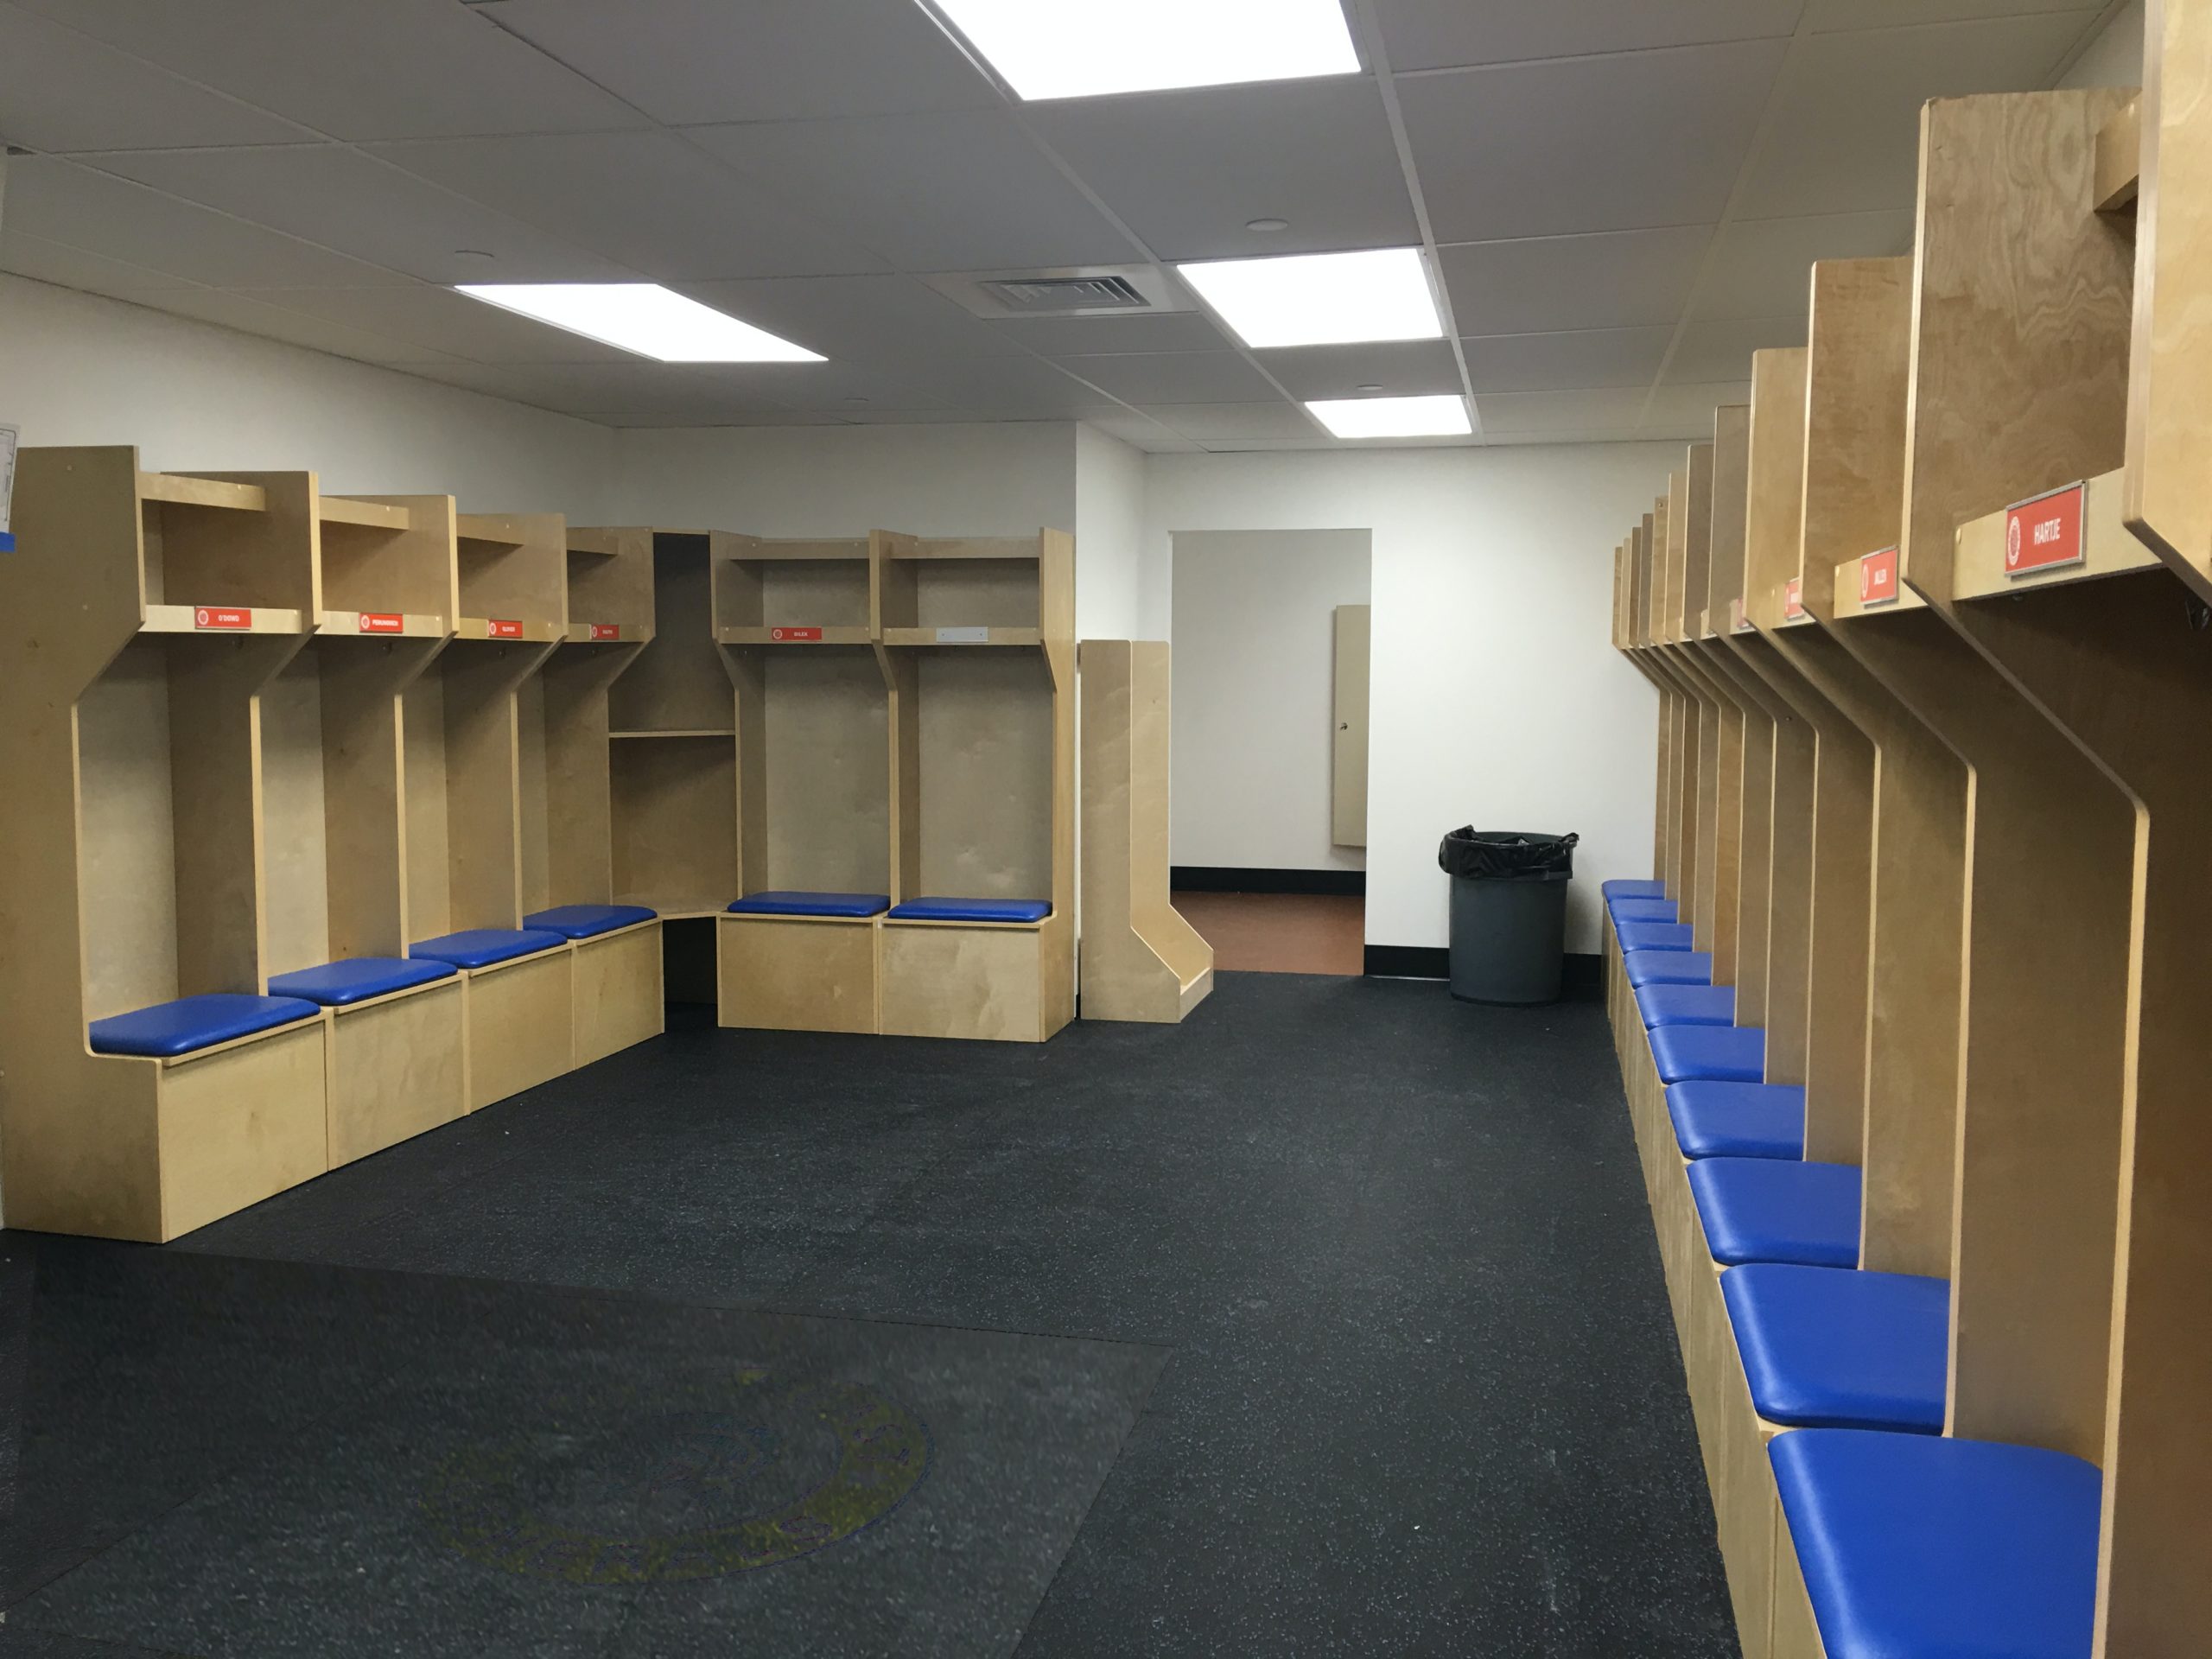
(953, 192)
(1542, 284)
(846, 390)
(689, 62)
(1560, 414)
(1823, 16)
(62, 201)
(1009, 388)
(24, 255)
(446, 322)
(1760, 266)
(1160, 331)
(648, 200)
(1444, 34)
(1401, 367)
(1132, 427)
(1710, 353)
(1187, 170)
(60, 91)
(1685, 411)
(1849, 141)
(346, 200)
(1575, 361)
(355, 69)
(1172, 377)
(628, 389)
(1579, 144)
(879, 319)
(1589, 434)
(1211, 424)
(252, 316)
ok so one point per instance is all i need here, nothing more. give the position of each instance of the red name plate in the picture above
(607, 630)
(222, 617)
(1793, 598)
(795, 633)
(1877, 577)
(2044, 533)
(496, 629)
(382, 622)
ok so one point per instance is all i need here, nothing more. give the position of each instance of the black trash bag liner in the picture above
(1507, 855)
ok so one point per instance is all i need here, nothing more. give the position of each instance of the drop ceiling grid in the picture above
(309, 173)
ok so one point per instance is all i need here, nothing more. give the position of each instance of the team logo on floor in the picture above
(696, 1482)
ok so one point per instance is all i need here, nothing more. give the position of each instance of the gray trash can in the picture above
(1509, 913)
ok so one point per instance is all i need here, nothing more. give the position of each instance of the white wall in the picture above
(1496, 693)
(77, 369)
(1108, 536)
(1255, 695)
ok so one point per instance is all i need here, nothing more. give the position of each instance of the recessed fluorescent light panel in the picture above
(1053, 48)
(644, 318)
(1443, 417)
(1321, 299)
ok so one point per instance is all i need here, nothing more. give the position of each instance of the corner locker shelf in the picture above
(979, 652)
(152, 611)
(463, 767)
(567, 770)
(795, 624)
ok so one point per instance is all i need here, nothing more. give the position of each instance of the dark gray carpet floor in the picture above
(1329, 1323)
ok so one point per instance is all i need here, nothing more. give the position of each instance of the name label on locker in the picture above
(2044, 533)
(497, 629)
(1877, 578)
(1793, 598)
(963, 636)
(223, 619)
(382, 622)
(801, 635)
(606, 631)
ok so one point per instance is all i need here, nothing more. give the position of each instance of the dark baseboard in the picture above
(1582, 978)
(1210, 878)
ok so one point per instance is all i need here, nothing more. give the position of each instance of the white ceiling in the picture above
(1622, 197)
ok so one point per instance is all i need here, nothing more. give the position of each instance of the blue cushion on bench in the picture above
(1627, 889)
(1687, 1005)
(1914, 1544)
(1626, 911)
(1655, 936)
(336, 984)
(1772, 1209)
(784, 902)
(480, 947)
(588, 921)
(1667, 967)
(169, 1029)
(1729, 1053)
(972, 910)
(1836, 1347)
(1714, 1119)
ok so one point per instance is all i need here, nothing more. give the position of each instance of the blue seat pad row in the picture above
(1655, 936)
(785, 902)
(587, 921)
(1667, 967)
(1773, 1210)
(169, 1029)
(1725, 1054)
(1839, 1348)
(339, 984)
(1915, 1544)
(1627, 889)
(1642, 910)
(972, 910)
(1687, 1005)
(480, 947)
(1714, 1119)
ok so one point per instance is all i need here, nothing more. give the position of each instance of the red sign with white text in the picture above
(496, 629)
(1877, 577)
(382, 622)
(801, 634)
(224, 616)
(2044, 533)
(1793, 599)
(607, 630)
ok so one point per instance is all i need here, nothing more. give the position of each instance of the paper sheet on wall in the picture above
(7, 487)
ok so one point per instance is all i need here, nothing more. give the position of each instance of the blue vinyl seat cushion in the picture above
(1773, 1210)
(481, 947)
(337, 984)
(1687, 1005)
(1642, 910)
(1915, 1544)
(191, 1023)
(1726, 1054)
(1667, 967)
(1836, 1347)
(1628, 889)
(1655, 936)
(789, 902)
(972, 910)
(587, 921)
(1713, 1119)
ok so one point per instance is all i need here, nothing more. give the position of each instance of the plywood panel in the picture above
(521, 1025)
(127, 836)
(398, 1068)
(826, 736)
(430, 883)
(619, 994)
(676, 819)
(297, 877)
(985, 735)
(962, 981)
(241, 1125)
(678, 683)
(797, 974)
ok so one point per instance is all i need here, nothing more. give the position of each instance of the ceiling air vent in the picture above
(1050, 295)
